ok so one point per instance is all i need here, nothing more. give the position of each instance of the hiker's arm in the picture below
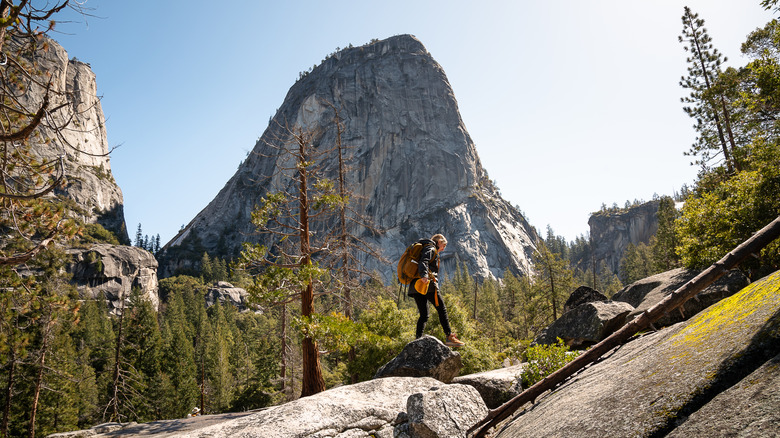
(425, 259)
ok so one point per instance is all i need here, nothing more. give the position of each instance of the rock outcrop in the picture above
(111, 272)
(612, 232)
(225, 293)
(495, 386)
(586, 324)
(645, 293)
(414, 167)
(376, 408)
(582, 295)
(443, 412)
(423, 357)
(690, 379)
(84, 144)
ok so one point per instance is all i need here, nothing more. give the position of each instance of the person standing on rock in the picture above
(427, 281)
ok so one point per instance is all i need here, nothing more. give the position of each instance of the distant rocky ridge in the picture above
(416, 169)
(612, 232)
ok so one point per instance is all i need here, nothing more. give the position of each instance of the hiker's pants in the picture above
(422, 307)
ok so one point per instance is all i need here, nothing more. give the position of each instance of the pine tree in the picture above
(554, 276)
(53, 305)
(142, 350)
(219, 369)
(220, 270)
(178, 364)
(206, 269)
(139, 237)
(636, 264)
(93, 337)
(33, 114)
(287, 218)
(708, 103)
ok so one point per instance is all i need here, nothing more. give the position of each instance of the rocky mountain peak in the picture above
(413, 166)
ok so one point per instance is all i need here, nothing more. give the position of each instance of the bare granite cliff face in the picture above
(110, 272)
(415, 170)
(83, 144)
(613, 232)
(100, 270)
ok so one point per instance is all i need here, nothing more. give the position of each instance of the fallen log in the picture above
(642, 321)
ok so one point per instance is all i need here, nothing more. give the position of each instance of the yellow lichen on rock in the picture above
(709, 325)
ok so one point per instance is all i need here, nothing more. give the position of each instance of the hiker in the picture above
(427, 272)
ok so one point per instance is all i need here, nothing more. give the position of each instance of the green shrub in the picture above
(95, 233)
(543, 360)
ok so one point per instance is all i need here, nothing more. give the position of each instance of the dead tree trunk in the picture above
(676, 299)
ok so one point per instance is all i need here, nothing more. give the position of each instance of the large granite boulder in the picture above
(582, 295)
(712, 375)
(647, 292)
(375, 408)
(495, 386)
(449, 411)
(423, 357)
(586, 324)
(110, 272)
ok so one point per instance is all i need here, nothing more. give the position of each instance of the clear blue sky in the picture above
(571, 103)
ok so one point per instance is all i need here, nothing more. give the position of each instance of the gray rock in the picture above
(226, 293)
(423, 357)
(89, 181)
(449, 411)
(586, 324)
(110, 272)
(356, 410)
(396, 106)
(582, 295)
(374, 408)
(495, 386)
(655, 383)
(647, 292)
(750, 408)
(96, 430)
(612, 232)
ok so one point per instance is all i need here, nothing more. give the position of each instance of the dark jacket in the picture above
(428, 265)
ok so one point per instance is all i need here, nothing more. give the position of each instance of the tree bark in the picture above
(283, 371)
(312, 381)
(677, 298)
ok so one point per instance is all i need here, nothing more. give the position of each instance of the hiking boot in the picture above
(453, 341)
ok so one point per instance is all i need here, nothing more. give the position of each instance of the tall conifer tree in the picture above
(708, 103)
